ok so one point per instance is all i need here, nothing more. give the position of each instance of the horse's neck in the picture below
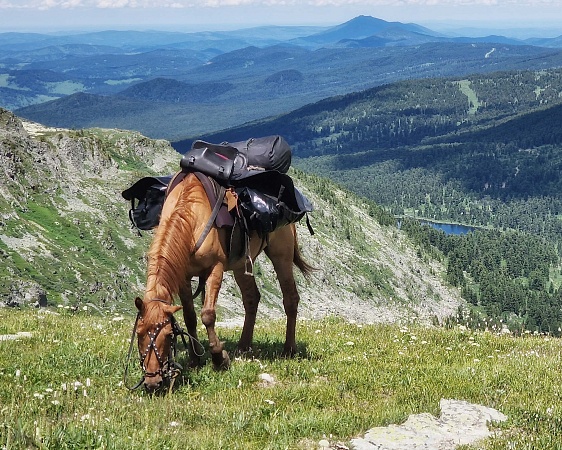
(173, 245)
(158, 291)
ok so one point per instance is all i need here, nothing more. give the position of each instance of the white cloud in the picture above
(105, 4)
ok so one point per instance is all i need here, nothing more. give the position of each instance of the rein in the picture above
(168, 369)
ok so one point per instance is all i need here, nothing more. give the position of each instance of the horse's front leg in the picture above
(251, 299)
(195, 348)
(219, 356)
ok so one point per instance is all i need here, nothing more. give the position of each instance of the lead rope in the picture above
(128, 360)
(178, 331)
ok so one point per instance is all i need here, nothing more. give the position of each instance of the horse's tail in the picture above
(305, 268)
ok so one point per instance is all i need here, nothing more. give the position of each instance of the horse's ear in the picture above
(138, 303)
(174, 309)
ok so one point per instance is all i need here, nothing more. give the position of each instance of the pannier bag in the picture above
(147, 198)
(270, 200)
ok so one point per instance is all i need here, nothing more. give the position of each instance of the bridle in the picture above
(168, 369)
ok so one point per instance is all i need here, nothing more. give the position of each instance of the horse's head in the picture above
(156, 332)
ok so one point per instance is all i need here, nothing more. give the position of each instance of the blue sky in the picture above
(197, 15)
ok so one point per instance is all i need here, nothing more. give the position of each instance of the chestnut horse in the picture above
(173, 261)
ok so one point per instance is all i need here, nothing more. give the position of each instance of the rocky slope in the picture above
(65, 238)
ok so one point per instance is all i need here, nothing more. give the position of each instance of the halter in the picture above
(168, 369)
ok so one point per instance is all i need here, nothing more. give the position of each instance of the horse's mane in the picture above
(174, 241)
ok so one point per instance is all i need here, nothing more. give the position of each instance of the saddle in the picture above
(253, 171)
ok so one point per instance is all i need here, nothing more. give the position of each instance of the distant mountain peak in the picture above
(362, 27)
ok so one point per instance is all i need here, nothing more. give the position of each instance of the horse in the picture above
(174, 259)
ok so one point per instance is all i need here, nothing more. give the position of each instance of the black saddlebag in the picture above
(270, 200)
(147, 198)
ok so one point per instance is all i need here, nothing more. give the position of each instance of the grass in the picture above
(62, 388)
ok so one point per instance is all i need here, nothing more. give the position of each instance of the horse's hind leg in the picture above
(251, 299)
(280, 252)
(219, 356)
(190, 317)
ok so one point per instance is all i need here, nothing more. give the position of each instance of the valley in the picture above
(178, 85)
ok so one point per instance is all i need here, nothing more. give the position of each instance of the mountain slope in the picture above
(65, 236)
(173, 91)
(405, 113)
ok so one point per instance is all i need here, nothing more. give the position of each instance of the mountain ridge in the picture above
(325, 73)
(65, 235)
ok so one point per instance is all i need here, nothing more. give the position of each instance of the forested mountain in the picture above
(447, 149)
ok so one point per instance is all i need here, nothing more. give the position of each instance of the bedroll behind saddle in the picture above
(231, 163)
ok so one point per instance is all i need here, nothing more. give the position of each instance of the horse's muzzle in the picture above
(153, 384)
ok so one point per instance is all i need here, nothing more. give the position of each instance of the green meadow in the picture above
(62, 388)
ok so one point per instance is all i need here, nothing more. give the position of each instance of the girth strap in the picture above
(214, 213)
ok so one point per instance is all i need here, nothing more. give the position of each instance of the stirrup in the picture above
(250, 263)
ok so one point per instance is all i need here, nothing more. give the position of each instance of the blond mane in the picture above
(174, 242)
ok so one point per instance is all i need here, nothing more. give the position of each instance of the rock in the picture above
(460, 423)
(266, 379)
(24, 293)
(16, 337)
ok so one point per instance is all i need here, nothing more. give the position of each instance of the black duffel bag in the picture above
(231, 163)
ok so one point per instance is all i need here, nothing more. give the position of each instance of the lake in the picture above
(450, 228)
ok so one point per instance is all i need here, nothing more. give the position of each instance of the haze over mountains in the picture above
(176, 85)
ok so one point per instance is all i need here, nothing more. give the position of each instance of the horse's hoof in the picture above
(225, 363)
(195, 363)
(289, 353)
